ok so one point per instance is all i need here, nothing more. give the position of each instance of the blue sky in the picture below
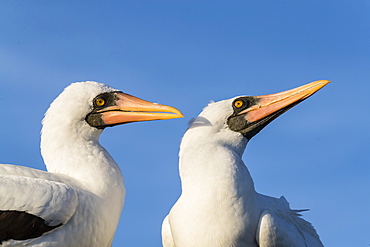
(186, 53)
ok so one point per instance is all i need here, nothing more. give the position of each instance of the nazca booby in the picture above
(78, 202)
(218, 206)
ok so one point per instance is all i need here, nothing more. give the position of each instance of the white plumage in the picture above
(82, 194)
(219, 206)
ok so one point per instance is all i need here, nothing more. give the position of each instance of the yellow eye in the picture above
(100, 102)
(238, 103)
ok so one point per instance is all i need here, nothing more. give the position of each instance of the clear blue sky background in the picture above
(186, 53)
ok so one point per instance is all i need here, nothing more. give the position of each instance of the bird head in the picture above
(86, 108)
(245, 116)
(77, 117)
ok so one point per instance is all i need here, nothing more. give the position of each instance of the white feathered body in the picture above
(219, 206)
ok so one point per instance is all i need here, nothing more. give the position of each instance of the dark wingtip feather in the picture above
(19, 225)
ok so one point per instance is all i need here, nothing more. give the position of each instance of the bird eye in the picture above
(100, 102)
(238, 103)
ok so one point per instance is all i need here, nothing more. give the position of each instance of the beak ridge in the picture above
(269, 104)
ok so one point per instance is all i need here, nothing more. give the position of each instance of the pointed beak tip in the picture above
(179, 114)
(168, 112)
(176, 113)
(323, 82)
(317, 85)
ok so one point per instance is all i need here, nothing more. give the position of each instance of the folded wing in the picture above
(30, 207)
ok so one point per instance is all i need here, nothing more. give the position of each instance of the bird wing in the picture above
(29, 199)
(282, 227)
(167, 239)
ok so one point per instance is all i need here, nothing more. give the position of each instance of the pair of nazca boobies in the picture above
(78, 201)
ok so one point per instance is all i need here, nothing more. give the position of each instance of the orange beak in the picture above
(120, 108)
(283, 101)
(266, 108)
(132, 109)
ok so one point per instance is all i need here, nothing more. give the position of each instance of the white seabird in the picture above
(219, 206)
(78, 202)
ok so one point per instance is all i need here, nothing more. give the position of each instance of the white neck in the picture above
(217, 190)
(213, 161)
(73, 149)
